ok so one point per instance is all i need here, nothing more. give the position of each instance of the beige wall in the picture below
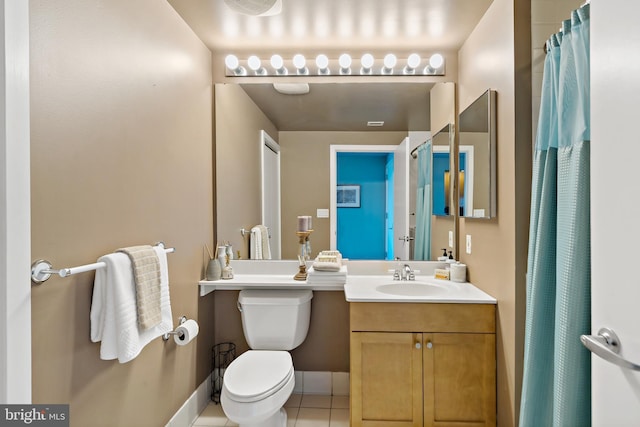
(121, 155)
(497, 55)
(305, 176)
(238, 147)
(326, 347)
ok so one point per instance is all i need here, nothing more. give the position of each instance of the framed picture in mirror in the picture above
(348, 196)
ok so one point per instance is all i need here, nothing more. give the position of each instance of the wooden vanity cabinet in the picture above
(443, 375)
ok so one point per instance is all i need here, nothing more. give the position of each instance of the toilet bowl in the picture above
(258, 383)
(256, 386)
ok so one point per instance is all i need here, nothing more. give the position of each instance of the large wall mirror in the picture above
(305, 127)
(477, 164)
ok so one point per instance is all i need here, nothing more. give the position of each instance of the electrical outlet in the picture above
(469, 243)
(450, 238)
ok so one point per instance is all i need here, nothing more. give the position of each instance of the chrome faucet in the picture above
(404, 273)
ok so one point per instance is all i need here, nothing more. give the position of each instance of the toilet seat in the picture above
(257, 374)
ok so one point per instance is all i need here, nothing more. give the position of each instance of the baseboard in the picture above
(195, 404)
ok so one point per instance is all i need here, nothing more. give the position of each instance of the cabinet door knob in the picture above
(429, 344)
(418, 346)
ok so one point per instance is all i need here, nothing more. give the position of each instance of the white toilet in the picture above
(257, 384)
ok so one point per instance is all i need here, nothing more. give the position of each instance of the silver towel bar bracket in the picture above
(607, 345)
(41, 270)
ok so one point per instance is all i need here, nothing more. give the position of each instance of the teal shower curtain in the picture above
(422, 248)
(556, 387)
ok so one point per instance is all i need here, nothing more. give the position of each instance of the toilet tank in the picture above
(275, 319)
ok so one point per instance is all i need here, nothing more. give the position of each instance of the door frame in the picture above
(15, 215)
(271, 143)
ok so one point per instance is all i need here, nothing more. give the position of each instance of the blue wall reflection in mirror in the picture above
(363, 232)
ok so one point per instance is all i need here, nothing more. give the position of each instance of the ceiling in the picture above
(332, 27)
(346, 106)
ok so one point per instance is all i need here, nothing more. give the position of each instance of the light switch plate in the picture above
(450, 238)
(322, 213)
(469, 244)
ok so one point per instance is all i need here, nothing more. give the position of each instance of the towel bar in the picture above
(42, 269)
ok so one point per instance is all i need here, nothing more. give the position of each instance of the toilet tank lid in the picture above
(274, 296)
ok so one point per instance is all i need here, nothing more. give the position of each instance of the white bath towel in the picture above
(319, 277)
(113, 308)
(259, 243)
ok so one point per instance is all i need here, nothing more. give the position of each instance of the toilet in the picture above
(258, 383)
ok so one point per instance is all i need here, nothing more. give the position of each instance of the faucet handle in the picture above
(412, 276)
(396, 275)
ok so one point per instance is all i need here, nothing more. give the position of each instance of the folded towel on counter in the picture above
(318, 277)
(259, 243)
(146, 274)
(113, 308)
(327, 263)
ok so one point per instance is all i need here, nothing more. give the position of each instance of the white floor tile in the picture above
(340, 402)
(339, 418)
(313, 417)
(315, 401)
(212, 416)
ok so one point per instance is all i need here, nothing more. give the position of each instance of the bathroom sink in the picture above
(413, 288)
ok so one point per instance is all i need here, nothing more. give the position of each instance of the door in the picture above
(459, 379)
(401, 200)
(386, 379)
(615, 206)
(271, 192)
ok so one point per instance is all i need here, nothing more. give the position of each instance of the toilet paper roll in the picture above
(186, 332)
(458, 272)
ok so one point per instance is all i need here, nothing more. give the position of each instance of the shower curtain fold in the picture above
(422, 248)
(556, 388)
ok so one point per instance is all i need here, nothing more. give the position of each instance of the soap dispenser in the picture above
(443, 257)
(450, 260)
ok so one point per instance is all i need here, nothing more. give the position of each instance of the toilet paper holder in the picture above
(166, 335)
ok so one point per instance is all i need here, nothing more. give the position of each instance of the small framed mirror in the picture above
(477, 158)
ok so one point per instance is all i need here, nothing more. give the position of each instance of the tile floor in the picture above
(303, 410)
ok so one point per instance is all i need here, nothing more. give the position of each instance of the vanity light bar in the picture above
(345, 65)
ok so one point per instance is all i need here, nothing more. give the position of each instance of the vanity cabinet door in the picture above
(386, 379)
(459, 379)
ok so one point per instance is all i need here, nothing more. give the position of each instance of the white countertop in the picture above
(367, 281)
(362, 288)
(264, 281)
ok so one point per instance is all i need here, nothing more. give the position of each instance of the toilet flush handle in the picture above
(239, 306)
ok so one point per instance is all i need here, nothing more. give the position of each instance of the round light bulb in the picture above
(299, 61)
(232, 62)
(277, 62)
(254, 62)
(436, 61)
(344, 60)
(413, 61)
(390, 60)
(367, 61)
(322, 61)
